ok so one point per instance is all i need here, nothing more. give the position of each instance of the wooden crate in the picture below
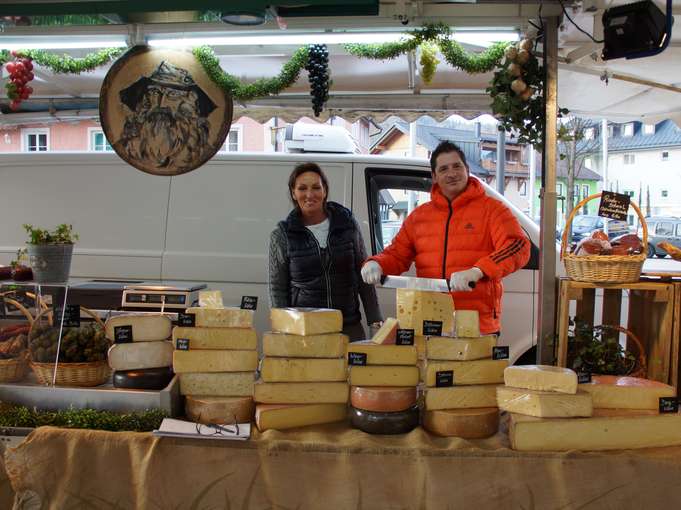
(651, 317)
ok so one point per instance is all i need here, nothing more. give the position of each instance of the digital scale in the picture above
(166, 295)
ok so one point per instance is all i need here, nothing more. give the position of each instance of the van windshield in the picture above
(585, 221)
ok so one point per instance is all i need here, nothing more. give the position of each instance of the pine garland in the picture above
(66, 64)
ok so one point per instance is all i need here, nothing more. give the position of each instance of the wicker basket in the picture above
(640, 368)
(15, 369)
(603, 268)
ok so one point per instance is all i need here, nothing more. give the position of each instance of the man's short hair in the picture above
(444, 147)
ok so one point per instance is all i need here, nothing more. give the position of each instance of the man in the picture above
(461, 235)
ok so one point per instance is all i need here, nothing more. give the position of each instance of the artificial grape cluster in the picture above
(20, 71)
(317, 68)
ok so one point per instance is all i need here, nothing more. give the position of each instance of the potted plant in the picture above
(50, 252)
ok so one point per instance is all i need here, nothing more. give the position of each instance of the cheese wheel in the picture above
(385, 399)
(384, 375)
(373, 422)
(214, 361)
(301, 393)
(146, 379)
(466, 423)
(145, 328)
(281, 417)
(219, 410)
(219, 384)
(140, 355)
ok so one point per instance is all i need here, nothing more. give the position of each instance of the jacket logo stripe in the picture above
(513, 252)
(504, 251)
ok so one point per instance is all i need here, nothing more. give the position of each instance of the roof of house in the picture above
(667, 134)
(584, 173)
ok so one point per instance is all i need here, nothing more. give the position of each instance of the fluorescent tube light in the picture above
(33, 43)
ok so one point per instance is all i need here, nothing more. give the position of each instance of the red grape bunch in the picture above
(20, 71)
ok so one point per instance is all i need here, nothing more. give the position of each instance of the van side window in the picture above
(664, 229)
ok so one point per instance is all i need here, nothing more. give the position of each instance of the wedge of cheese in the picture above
(306, 321)
(329, 345)
(210, 299)
(416, 306)
(544, 404)
(485, 371)
(619, 392)
(303, 370)
(377, 354)
(140, 355)
(384, 375)
(528, 433)
(220, 384)
(461, 397)
(217, 338)
(145, 328)
(288, 416)
(383, 399)
(387, 332)
(466, 423)
(203, 409)
(542, 378)
(460, 349)
(466, 324)
(229, 317)
(185, 362)
(301, 393)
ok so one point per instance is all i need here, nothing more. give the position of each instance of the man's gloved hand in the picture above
(372, 272)
(460, 281)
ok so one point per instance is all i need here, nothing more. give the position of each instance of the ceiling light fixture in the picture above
(244, 17)
(52, 43)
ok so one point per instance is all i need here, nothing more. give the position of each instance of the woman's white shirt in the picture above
(320, 231)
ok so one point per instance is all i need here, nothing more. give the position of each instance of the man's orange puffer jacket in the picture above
(473, 230)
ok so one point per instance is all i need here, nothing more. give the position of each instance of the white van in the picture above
(212, 225)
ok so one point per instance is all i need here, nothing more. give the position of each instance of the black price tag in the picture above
(182, 344)
(501, 352)
(614, 205)
(669, 405)
(583, 377)
(444, 379)
(72, 316)
(432, 328)
(357, 358)
(249, 302)
(187, 320)
(123, 334)
(404, 337)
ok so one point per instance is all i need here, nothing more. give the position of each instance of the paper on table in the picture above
(180, 428)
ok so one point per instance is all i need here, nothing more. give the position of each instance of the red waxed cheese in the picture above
(384, 399)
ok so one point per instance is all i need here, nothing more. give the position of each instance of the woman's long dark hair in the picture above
(301, 169)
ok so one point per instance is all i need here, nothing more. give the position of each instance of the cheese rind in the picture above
(387, 333)
(145, 328)
(306, 321)
(229, 317)
(541, 378)
(219, 384)
(460, 349)
(384, 399)
(544, 404)
(303, 370)
(138, 355)
(615, 392)
(384, 375)
(329, 345)
(217, 338)
(415, 306)
(204, 409)
(466, 324)
(373, 422)
(214, 361)
(461, 397)
(485, 371)
(385, 354)
(282, 417)
(466, 423)
(301, 393)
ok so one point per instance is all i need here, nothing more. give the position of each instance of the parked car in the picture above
(662, 228)
(584, 224)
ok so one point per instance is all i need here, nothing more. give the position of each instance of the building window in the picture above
(628, 129)
(98, 142)
(665, 193)
(585, 190)
(648, 129)
(234, 142)
(35, 140)
(523, 188)
(587, 163)
(629, 159)
(665, 155)
(611, 131)
(559, 189)
(630, 219)
(589, 133)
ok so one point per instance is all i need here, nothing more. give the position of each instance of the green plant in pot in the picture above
(596, 349)
(50, 252)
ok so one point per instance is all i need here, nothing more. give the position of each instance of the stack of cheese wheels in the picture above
(414, 307)
(141, 355)
(216, 361)
(551, 412)
(461, 380)
(303, 374)
(383, 381)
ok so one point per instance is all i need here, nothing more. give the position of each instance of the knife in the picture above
(415, 283)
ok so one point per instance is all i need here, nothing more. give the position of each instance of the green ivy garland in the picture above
(66, 64)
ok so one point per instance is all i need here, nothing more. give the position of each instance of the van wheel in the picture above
(529, 357)
(660, 255)
(651, 251)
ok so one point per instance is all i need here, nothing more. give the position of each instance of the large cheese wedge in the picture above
(301, 393)
(377, 354)
(542, 378)
(204, 409)
(462, 397)
(282, 417)
(528, 433)
(384, 375)
(544, 404)
(383, 399)
(214, 361)
(220, 384)
(373, 422)
(303, 370)
(387, 332)
(217, 338)
(210, 299)
(466, 324)
(615, 392)
(140, 355)
(485, 371)
(603, 413)
(466, 423)
(145, 379)
(229, 317)
(306, 321)
(145, 328)
(415, 306)
(329, 345)
(460, 349)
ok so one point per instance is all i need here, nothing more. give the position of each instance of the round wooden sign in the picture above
(161, 112)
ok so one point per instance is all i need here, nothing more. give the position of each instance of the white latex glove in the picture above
(372, 272)
(460, 281)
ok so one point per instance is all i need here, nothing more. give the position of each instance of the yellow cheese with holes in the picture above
(462, 397)
(544, 404)
(329, 345)
(203, 409)
(214, 361)
(282, 417)
(301, 393)
(229, 317)
(145, 328)
(621, 392)
(415, 306)
(387, 333)
(485, 371)
(385, 354)
(303, 370)
(460, 349)
(466, 324)
(384, 375)
(217, 338)
(306, 321)
(541, 378)
(420, 343)
(220, 384)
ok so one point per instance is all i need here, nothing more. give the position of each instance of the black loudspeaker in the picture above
(632, 30)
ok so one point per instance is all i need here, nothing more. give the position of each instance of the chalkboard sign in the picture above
(501, 352)
(357, 358)
(432, 328)
(404, 337)
(444, 379)
(583, 377)
(669, 405)
(71, 316)
(123, 334)
(187, 320)
(182, 344)
(614, 205)
(249, 302)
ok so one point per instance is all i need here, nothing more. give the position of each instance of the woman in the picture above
(316, 254)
